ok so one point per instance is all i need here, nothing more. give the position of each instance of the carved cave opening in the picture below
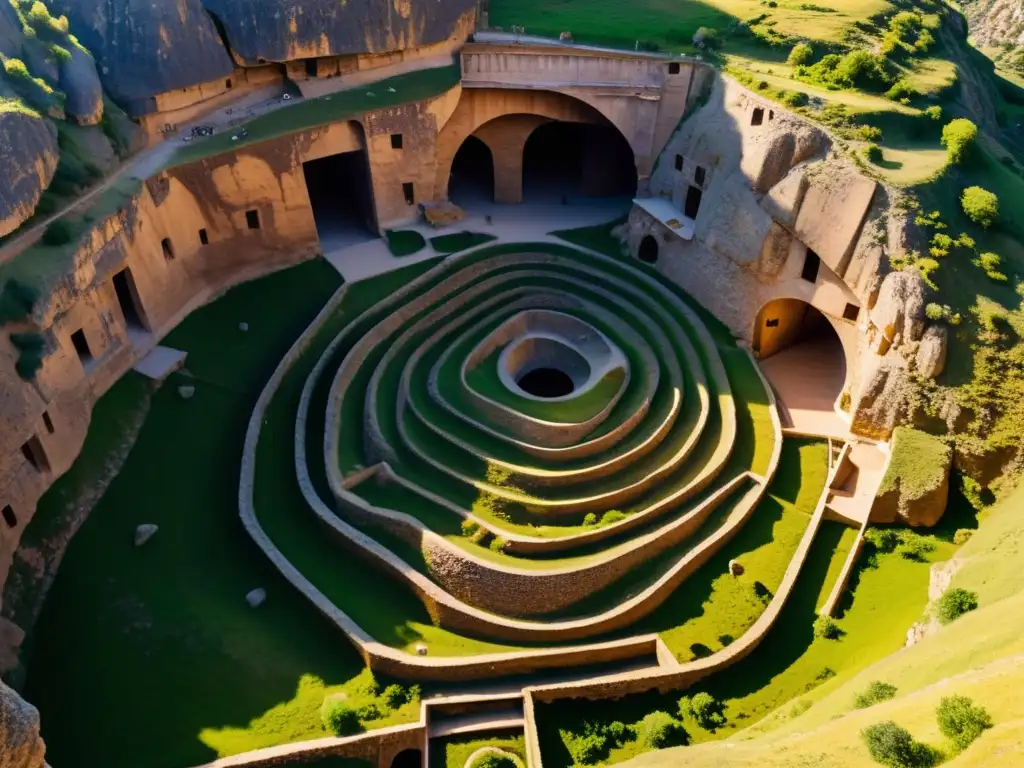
(566, 160)
(472, 175)
(341, 195)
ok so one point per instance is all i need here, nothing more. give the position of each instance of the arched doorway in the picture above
(472, 175)
(803, 358)
(408, 758)
(562, 161)
(648, 251)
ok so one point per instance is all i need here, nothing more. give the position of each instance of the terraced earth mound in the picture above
(521, 522)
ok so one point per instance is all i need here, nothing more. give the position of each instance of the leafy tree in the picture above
(659, 729)
(980, 205)
(954, 603)
(891, 745)
(802, 53)
(826, 627)
(339, 717)
(961, 720)
(876, 692)
(958, 137)
(708, 711)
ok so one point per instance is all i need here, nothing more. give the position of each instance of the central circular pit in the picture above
(547, 383)
(545, 366)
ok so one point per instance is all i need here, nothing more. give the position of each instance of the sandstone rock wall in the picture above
(282, 30)
(20, 745)
(28, 159)
(145, 48)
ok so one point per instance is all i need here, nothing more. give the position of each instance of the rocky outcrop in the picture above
(931, 353)
(143, 48)
(20, 744)
(81, 85)
(28, 159)
(898, 315)
(915, 488)
(883, 400)
(283, 30)
(982, 462)
(993, 22)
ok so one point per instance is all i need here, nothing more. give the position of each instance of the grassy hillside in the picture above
(980, 655)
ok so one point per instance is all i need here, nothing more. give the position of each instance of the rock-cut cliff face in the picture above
(283, 30)
(20, 745)
(28, 160)
(144, 47)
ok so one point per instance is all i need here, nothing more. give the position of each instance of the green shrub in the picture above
(795, 99)
(802, 53)
(708, 711)
(497, 544)
(826, 628)
(980, 205)
(17, 300)
(934, 311)
(618, 733)
(497, 760)
(862, 69)
(370, 711)
(883, 539)
(590, 518)
(914, 547)
(395, 696)
(891, 745)
(954, 603)
(958, 137)
(934, 112)
(869, 132)
(901, 90)
(875, 692)
(991, 263)
(469, 527)
(587, 749)
(28, 364)
(873, 153)
(962, 536)
(339, 717)
(659, 729)
(612, 516)
(961, 721)
(28, 342)
(707, 37)
(57, 233)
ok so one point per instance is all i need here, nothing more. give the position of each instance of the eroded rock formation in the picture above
(282, 30)
(20, 744)
(145, 48)
(915, 488)
(28, 159)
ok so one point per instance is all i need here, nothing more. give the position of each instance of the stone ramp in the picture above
(160, 363)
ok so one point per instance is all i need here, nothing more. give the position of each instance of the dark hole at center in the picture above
(546, 382)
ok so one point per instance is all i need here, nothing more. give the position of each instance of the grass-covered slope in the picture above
(979, 655)
(168, 661)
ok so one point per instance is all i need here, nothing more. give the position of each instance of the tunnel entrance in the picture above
(547, 383)
(804, 360)
(472, 174)
(562, 161)
(648, 251)
(408, 758)
(342, 199)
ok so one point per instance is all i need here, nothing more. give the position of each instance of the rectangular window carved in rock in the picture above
(851, 312)
(35, 455)
(252, 219)
(396, 141)
(758, 117)
(811, 264)
(409, 192)
(9, 517)
(204, 237)
(81, 346)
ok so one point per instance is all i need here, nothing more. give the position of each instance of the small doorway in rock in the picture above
(311, 68)
(648, 252)
(408, 758)
(692, 204)
(9, 517)
(35, 455)
(128, 300)
(758, 117)
(81, 345)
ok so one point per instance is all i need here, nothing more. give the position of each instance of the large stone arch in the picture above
(808, 355)
(504, 119)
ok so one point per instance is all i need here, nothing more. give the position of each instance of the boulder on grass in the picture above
(256, 597)
(736, 568)
(915, 487)
(931, 354)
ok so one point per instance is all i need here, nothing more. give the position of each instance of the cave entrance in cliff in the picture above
(567, 161)
(472, 175)
(129, 301)
(341, 195)
(801, 354)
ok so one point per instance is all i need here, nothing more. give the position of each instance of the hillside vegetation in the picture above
(979, 656)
